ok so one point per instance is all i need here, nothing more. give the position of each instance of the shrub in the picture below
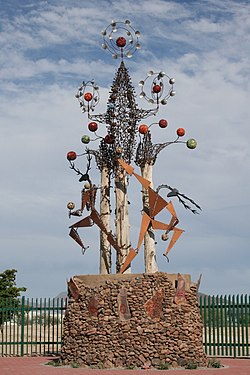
(215, 363)
(191, 366)
(56, 362)
(74, 365)
(163, 366)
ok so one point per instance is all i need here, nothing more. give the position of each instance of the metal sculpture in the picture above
(155, 206)
(118, 147)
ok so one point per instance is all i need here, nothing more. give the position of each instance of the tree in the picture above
(8, 291)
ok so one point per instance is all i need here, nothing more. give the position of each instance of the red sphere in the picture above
(180, 132)
(88, 96)
(71, 155)
(163, 123)
(109, 139)
(143, 129)
(92, 126)
(121, 42)
(156, 89)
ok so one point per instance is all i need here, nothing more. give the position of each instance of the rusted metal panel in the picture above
(127, 167)
(73, 289)
(85, 199)
(86, 222)
(73, 233)
(97, 220)
(144, 227)
(171, 209)
(159, 225)
(153, 306)
(93, 306)
(123, 307)
(180, 297)
(156, 202)
(177, 233)
(131, 255)
(199, 282)
(143, 181)
(112, 240)
(92, 197)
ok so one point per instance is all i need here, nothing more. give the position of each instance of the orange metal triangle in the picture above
(145, 183)
(128, 168)
(177, 233)
(112, 240)
(110, 237)
(156, 202)
(173, 222)
(170, 208)
(144, 227)
(73, 288)
(131, 255)
(86, 222)
(152, 195)
(159, 225)
(74, 234)
(97, 220)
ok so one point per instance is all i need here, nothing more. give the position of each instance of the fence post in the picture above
(22, 325)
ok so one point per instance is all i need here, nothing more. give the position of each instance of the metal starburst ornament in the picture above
(88, 96)
(121, 39)
(154, 88)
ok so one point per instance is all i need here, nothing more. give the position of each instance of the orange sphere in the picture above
(93, 126)
(121, 42)
(156, 89)
(163, 123)
(143, 129)
(109, 139)
(88, 96)
(180, 132)
(71, 155)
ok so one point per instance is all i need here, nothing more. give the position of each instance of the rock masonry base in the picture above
(133, 320)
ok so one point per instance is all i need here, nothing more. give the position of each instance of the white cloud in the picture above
(162, 10)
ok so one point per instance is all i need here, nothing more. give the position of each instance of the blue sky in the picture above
(47, 49)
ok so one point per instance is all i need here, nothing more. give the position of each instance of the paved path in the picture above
(35, 366)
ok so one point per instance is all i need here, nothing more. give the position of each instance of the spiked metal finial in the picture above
(88, 96)
(155, 83)
(121, 39)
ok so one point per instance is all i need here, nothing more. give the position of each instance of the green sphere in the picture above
(191, 143)
(85, 139)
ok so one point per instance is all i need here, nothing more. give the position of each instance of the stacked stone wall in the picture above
(132, 321)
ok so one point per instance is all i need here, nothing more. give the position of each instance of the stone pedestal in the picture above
(139, 320)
